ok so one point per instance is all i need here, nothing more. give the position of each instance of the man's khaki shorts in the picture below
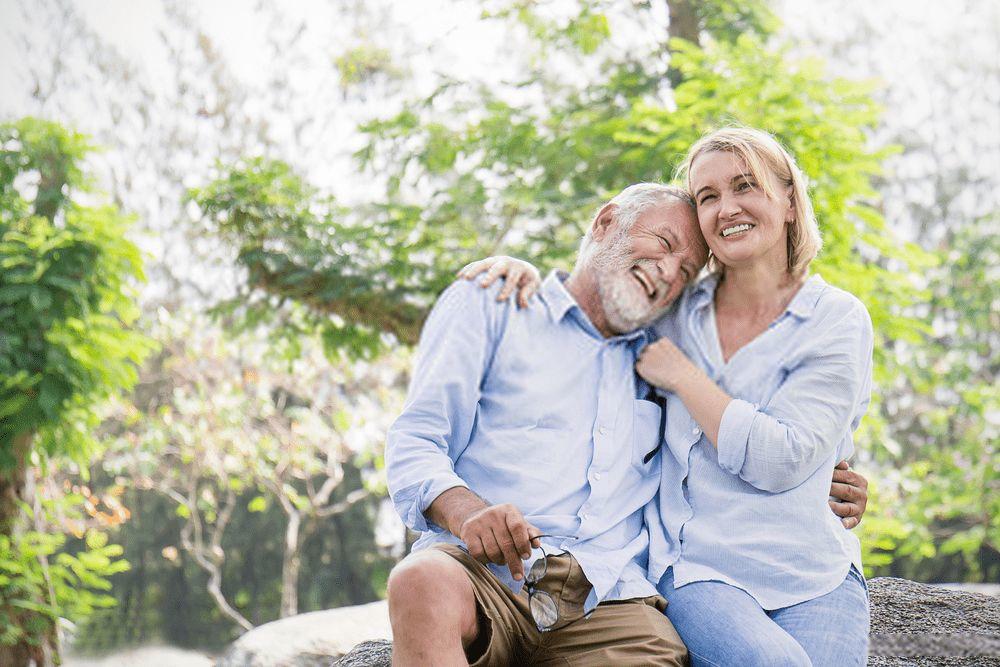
(621, 632)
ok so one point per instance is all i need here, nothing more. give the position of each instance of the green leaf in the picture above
(257, 504)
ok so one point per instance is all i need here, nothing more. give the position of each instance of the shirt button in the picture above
(586, 516)
(603, 431)
(597, 476)
(696, 431)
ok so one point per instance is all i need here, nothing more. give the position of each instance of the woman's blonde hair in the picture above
(762, 154)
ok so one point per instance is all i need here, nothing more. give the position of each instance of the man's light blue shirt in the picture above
(534, 408)
(753, 513)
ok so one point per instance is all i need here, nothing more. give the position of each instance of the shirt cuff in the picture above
(427, 494)
(734, 434)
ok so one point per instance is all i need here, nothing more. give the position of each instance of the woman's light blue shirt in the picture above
(753, 513)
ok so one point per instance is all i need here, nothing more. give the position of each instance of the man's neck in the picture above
(582, 286)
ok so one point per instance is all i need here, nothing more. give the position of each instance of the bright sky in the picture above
(915, 47)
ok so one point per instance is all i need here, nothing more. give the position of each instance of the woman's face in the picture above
(742, 225)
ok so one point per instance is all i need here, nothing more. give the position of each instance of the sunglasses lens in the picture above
(537, 571)
(543, 610)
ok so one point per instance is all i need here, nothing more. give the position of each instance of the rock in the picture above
(917, 624)
(309, 640)
(912, 625)
(375, 653)
(145, 656)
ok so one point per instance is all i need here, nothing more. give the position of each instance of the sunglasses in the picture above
(544, 608)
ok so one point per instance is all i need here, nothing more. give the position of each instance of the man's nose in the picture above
(669, 267)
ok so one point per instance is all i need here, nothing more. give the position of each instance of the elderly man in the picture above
(533, 431)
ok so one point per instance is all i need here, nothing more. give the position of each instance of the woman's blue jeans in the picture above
(722, 626)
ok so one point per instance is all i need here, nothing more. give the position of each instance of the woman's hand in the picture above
(517, 274)
(662, 365)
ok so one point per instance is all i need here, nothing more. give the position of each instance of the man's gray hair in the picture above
(632, 202)
(635, 199)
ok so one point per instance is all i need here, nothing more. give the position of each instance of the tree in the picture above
(935, 461)
(215, 425)
(474, 169)
(470, 172)
(941, 505)
(66, 309)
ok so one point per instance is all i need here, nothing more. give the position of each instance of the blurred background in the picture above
(221, 225)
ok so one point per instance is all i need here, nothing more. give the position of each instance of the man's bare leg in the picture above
(432, 609)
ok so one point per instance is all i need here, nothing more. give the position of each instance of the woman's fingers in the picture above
(520, 277)
(497, 270)
(525, 294)
(510, 283)
(473, 269)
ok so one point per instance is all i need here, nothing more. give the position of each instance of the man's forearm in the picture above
(453, 507)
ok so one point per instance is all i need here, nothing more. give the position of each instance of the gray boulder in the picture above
(309, 640)
(916, 624)
(375, 653)
(912, 625)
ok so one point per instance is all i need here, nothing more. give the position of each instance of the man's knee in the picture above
(434, 585)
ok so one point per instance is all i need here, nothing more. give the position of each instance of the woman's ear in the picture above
(603, 222)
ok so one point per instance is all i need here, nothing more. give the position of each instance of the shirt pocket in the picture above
(647, 436)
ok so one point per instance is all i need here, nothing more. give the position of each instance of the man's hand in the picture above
(493, 533)
(500, 534)
(850, 495)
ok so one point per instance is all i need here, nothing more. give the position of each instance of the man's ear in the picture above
(604, 222)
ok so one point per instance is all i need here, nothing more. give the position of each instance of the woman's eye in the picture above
(745, 185)
(705, 199)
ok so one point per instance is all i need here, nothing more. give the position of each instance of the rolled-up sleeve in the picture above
(437, 420)
(734, 434)
(778, 446)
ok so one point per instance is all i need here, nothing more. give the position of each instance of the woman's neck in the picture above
(759, 288)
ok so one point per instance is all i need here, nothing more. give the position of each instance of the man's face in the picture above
(641, 272)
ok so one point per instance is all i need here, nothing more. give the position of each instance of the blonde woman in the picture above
(766, 372)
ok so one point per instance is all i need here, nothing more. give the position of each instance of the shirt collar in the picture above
(558, 301)
(802, 304)
(704, 291)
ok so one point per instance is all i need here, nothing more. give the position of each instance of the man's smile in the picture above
(647, 283)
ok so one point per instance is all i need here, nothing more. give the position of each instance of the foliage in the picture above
(363, 63)
(73, 586)
(474, 169)
(219, 428)
(474, 178)
(66, 306)
(945, 412)
(66, 294)
(346, 283)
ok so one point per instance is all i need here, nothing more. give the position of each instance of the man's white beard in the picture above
(625, 307)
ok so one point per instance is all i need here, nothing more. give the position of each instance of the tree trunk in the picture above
(12, 483)
(685, 25)
(13, 480)
(290, 565)
(684, 21)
